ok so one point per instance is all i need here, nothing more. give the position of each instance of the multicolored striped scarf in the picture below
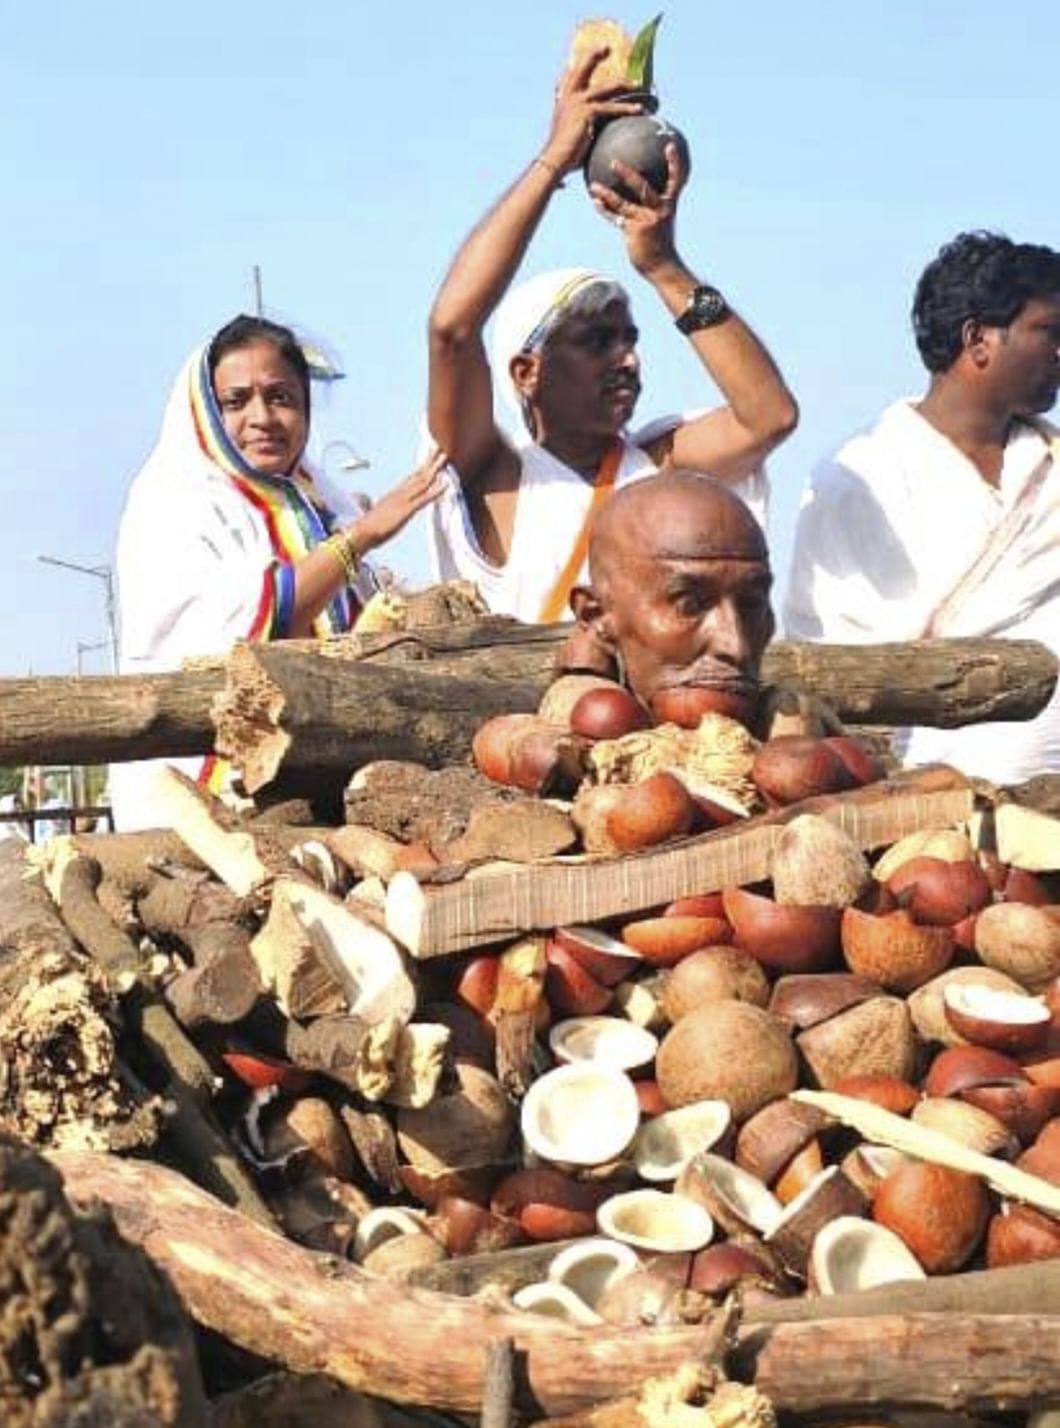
(295, 516)
(296, 519)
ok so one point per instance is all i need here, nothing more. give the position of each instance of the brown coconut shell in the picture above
(1019, 1234)
(563, 694)
(894, 950)
(817, 863)
(940, 1213)
(1022, 941)
(828, 1195)
(967, 1124)
(874, 1038)
(959, 1068)
(713, 974)
(944, 843)
(608, 713)
(783, 938)
(650, 812)
(927, 1007)
(770, 1139)
(940, 893)
(793, 767)
(727, 1051)
(549, 1205)
(664, 941)
(804, 1000)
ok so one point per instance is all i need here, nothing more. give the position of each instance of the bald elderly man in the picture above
(679, 598)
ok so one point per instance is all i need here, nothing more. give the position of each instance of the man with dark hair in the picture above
(943, 519)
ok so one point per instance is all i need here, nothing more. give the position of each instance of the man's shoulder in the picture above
(871, 452)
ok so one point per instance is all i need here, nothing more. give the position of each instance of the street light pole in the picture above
(106, 574)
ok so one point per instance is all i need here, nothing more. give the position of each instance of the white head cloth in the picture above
(531, 311)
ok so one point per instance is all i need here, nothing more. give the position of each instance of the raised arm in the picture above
(460, 393)
(731, 441)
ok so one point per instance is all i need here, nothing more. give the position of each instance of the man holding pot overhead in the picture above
(516, 515)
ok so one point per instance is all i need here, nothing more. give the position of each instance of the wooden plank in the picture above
(493, 907)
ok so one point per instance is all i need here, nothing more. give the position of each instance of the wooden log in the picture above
(102, 718)
(490, 907)
(283, 706)
(278, 1300)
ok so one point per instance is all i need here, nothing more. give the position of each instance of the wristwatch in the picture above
(705, 308)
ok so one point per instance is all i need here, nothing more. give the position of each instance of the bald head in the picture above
(679, 585)
(676, 515)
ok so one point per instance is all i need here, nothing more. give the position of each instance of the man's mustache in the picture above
(622, 382)
(710, 673)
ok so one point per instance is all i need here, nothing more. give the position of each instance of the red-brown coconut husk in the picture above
(940, 1213)
(1005, 1021)
(549, 1205)
(861, 762)
(608, 713)
(606, 959)
(894, 950)
(1025, 1109)
(653, 811)
(959, 1068)
(783, 937)
(686, 706)
(664, 941)
(890, 1093)
(1019, 1234)
(793, 767)
(698, 905)
(940, 893)
(569, 988)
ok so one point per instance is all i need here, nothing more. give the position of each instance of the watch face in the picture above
(705, 308)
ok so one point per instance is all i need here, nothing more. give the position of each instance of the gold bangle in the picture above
(341, 547)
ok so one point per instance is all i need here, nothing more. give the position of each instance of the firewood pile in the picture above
(670, 1076)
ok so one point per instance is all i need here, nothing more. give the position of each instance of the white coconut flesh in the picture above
(983, 1003)
(591, 1267)
(580, 1114)
(665, 1144)
(850, 1254)
(383, 1224)
(743, 1193)
(595, 941)
(653, 1220)
(605, 1040)
(555, 1301)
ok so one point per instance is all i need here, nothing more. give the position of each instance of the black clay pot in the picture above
(639, 140)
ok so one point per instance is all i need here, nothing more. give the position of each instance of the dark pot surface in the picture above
(640, 141)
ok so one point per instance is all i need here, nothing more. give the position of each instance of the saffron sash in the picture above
(555, 602)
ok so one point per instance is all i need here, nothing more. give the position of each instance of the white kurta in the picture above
(899, 538)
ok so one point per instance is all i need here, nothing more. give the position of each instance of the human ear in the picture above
(590, 646)
(524, 368)
(975, 340)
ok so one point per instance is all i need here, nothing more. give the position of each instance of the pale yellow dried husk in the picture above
(719, 752)
(595, 35)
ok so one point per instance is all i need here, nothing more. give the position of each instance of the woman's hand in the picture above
(576, 110)
(646, 221)
(393, 511)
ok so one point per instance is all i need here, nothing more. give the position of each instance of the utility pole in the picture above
(259, 306)
(106, 574)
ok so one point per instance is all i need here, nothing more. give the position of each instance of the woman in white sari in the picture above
(225, 533)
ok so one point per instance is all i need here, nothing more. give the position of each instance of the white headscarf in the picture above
(531, 312)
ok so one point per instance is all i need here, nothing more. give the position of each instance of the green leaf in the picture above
(640, 71)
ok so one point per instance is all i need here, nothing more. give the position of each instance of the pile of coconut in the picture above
(841, 1077)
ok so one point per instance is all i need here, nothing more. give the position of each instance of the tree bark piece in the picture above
(287, 1400)
(490, 907)
(90, 1331)
(498, 1390)
(61, 1081)
(100, 719)
(281, 1302)
(284, 707)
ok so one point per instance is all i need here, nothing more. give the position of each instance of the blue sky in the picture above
(151, 154)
